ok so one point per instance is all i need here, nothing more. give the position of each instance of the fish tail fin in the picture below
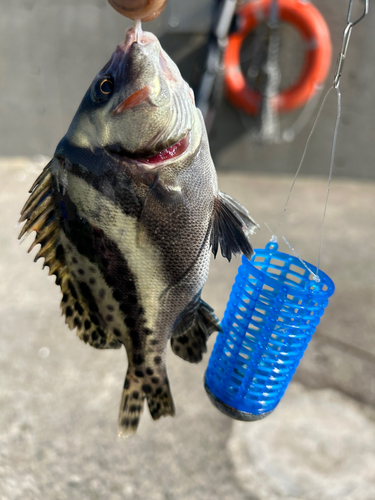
(131, 406)
(159, 397)
(191, 334)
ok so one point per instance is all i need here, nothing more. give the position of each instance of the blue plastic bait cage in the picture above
(273, 310)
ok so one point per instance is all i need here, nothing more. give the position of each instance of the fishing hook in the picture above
(345, 40)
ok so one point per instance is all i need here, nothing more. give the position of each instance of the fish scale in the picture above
(126, 214)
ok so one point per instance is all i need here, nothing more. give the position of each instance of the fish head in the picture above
(138, 106)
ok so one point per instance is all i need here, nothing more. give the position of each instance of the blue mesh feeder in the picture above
(273, 310)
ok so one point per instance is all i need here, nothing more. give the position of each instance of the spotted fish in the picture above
(126, 213)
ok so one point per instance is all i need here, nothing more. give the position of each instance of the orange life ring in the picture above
(308, 21)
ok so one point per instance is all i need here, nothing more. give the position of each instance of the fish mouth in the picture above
(153, 160)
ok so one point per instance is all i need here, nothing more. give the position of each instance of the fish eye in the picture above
(106, 86)
(103, 88)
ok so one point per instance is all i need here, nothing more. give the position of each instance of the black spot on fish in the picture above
(155, 380)
(65, 297)
(87, 324)
(135, 395)
(110, 307)
(130, 322)
(92, 281)
(134, 422)
(176, 349)
(190, 352)
(132, 299)
(146, 388)
(158, 391)
(109, 317)
(139, 373)
(93, 307)
(101, 332)
(102, 341)
(126, 308)
(154, 342)
(126, 384)
(75, 261)
(85, 337)
(81, 272)
(147, 331)
(94, 335)
(149, 371)
(94, 319)
(102, 293)
(73, 291)
(133, 408)
(117, 332)
(77, 322)
(78, 307)
(138, 359)
(183, 339)
(157, 360)
(135, 339)
(68, 311)
(86, 292)
(110, 280)
(59, 252)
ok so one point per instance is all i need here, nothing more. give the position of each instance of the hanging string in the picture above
(336, 86)
(138, 30)
(330, 171)
(302, 159)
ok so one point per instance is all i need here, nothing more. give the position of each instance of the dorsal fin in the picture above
(39, 212)
(231, 228)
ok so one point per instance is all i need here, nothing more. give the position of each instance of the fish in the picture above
(127, 213)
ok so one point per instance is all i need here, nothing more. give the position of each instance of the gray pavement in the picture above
(59, 398)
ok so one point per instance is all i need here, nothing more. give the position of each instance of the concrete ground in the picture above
(59, 398)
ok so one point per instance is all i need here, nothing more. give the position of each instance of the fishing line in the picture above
(338, 117)
(336, 86)
(138, 30)
(302, 159)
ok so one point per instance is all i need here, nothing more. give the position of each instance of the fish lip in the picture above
(171, 153)
(130, 37)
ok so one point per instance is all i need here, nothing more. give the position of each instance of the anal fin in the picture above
(189, 340)
(231, 228)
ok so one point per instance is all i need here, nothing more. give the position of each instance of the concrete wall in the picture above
(50, 51)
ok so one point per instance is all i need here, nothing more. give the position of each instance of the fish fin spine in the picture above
(231, 228)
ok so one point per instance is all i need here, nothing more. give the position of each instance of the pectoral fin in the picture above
(231, 228)
(193, 329)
